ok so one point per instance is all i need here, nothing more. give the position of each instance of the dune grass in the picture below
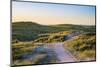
(82, 47)
(29, 53)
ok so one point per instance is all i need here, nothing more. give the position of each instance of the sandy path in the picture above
(62, 54)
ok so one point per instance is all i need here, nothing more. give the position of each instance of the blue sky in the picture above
(50, 14)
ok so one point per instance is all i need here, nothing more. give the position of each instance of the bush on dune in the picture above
(53, 37)
(83, 46)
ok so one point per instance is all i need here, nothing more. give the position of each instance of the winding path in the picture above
(52, 49)
(62, 54)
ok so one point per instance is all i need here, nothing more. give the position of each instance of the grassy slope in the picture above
(28, 31)
(82, 46)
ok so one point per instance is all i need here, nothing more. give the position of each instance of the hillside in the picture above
(28, 31)
(38, 44)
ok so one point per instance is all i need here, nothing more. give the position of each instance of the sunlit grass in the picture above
(82, 47)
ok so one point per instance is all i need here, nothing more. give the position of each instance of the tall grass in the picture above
(29, 53)
(82, 47)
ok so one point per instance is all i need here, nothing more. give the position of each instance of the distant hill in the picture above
(28, 31)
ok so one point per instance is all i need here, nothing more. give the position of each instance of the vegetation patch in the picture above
(30, 53)
(82, 46)
(53, 37)
(29, 31)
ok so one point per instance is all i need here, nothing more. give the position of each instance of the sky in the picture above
(52, 14)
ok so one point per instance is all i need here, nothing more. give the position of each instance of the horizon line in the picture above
(51, 24)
